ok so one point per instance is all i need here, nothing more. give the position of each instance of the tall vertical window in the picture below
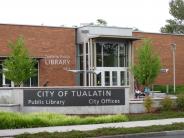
(112, 54)
(80, 66)
(33, 81)
(99, 54)
(107, 78)
(122, 78)
(114, 78)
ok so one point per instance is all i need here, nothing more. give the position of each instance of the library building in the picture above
(89, 55)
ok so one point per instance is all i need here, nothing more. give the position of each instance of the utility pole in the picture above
(173, 46)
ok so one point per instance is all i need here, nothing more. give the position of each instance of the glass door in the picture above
(112, 77)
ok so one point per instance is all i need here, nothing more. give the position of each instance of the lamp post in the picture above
(173, 46)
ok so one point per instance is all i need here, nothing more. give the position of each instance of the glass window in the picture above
(98, 79)
(33, 81)
(122, 55)
(81, 79)
(126, 54)
(81, 63)
(122, 73)
(107, 78)
(110, 55)
(7, 82)
(128, 78)
(80, 49)
(86, 48)
(114, 78)
(99, 55)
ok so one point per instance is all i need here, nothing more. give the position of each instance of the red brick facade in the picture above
(43, 41)
(162, 44)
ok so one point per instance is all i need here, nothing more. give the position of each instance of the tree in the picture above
(148, 65)
(101, 22)
(175, 25)
(19, 67)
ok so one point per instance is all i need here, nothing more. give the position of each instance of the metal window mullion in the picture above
(92, 65)
(118, 55)
(102, 53)
(110, 75)
(84, 63)
(94, 48)
(89, 64)
(118, 78)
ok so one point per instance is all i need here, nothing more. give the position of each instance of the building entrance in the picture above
(108, 76)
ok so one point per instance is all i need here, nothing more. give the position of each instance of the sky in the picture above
(146, 15)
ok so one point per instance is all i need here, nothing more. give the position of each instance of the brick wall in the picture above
(161, 43)
(43, 41)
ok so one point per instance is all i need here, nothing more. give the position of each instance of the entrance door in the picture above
(110, 76)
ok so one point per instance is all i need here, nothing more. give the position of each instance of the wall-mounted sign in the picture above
(74, 97)
(58, 60)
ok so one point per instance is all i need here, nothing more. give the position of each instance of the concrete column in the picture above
(131, 62)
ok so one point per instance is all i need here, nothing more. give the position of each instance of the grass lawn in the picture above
(104, 132)
(29, 120)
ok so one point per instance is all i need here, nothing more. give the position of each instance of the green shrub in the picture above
(162, 88)
(166, 104)
(21, 120)
(148, 104)
(180, 102)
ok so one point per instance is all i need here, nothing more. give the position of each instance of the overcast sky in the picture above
(146, 15)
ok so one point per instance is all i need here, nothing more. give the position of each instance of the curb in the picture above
(142, 135)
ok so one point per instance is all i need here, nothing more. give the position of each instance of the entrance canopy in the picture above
(106, 50)
(115, 37)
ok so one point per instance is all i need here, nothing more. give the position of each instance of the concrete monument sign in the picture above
(74, 97)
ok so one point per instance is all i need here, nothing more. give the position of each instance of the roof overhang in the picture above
(132, 38)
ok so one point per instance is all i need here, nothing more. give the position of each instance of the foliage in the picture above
(148, 66)
(180, 102)
(20, 120)
(162, 88)
(101, 22)
(166, 104)
(105, 132)
(19, 66)
(175, 25)
(148, 104)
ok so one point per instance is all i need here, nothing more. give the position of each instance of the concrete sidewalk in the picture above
(13, 132)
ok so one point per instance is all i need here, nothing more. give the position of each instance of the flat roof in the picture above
(104, 26)
(29, 25)
(158, 33)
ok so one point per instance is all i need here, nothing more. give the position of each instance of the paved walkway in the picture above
(13, 132)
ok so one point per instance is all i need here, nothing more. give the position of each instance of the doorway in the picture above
(110, 76)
